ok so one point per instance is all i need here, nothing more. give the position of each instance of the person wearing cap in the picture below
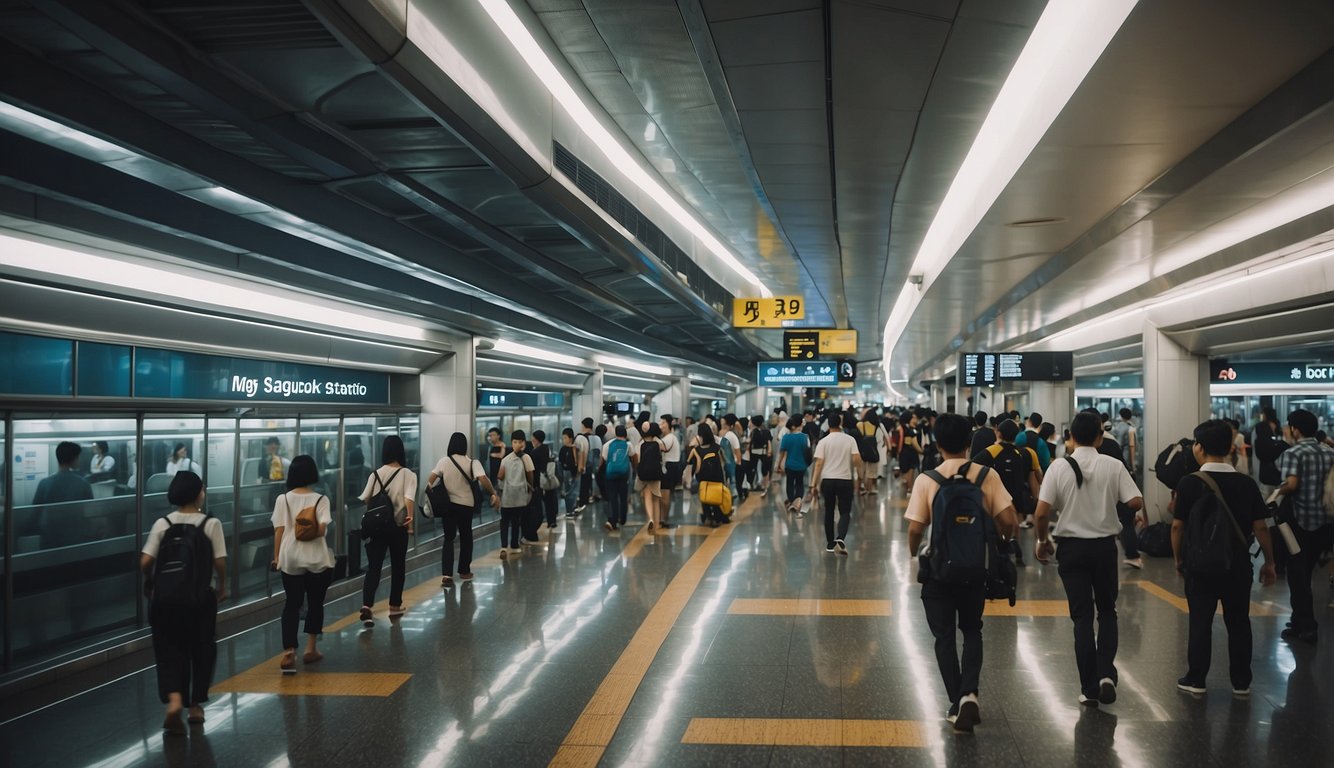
(185, 648)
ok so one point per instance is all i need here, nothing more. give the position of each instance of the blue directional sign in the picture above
(791, 373)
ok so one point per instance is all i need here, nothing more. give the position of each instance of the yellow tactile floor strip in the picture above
(1179, 602)
(1027, 608)
(593, 731)
(267, 679)
(804, 607)
(790, 732)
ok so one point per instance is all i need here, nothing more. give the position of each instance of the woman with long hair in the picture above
(458, 472)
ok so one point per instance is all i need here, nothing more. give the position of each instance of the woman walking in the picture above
(458, 472)
(300, 518)
(706, 463)
(400, 483)
(650, 473)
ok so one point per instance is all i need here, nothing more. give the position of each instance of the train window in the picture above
(74, 531)
(266, 450)
(319, 440)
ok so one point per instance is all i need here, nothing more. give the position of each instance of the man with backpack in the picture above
(1029, 439)
(545, 503)
(1085, 488)
(1019, 473)
(969, 511)
(1304, 468)
(620, 463)
(984, 434)
(588, 451)
(1218, 512)
(182, 553)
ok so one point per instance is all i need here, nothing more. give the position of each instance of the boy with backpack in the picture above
(182, 553)
(1218, 512)
(516, 492)
(1019, 473)
(620, 463)
(968, 510)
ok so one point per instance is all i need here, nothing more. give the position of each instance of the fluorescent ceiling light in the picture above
(531, 52)
(523, 350)
(630, 365)
(1067, 41)
(173, 287)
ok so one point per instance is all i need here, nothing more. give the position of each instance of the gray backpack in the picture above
(515, 491)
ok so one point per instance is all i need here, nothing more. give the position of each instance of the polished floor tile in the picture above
(743, 645)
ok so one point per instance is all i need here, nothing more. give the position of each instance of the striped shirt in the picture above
(1310, 462)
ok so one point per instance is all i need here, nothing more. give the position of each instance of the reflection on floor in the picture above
(748, 644)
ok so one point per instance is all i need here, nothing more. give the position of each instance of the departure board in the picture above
(988, 368)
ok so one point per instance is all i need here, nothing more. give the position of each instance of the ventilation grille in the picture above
(645, 231)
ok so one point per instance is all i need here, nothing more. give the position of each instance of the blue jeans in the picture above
(618, 498)
(730, 471)
(569, 490)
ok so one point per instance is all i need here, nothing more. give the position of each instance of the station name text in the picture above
(289, 387)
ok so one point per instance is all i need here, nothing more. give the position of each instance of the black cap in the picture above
(184, 489)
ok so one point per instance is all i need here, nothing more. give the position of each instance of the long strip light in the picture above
(523, 350)
(528, 48)
(1066, 42)
(631, 365)
(135, 277)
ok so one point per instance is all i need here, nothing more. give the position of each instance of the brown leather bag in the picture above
(307, 521)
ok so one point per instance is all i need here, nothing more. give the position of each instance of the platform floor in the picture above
(744, 645)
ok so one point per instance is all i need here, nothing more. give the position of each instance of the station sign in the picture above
(162, 373)
(1274, 373)
(988, 368)
(818, 344)
(788, 373)
(517, 398)
(767, 313)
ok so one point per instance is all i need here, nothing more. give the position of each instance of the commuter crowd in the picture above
(972, 484)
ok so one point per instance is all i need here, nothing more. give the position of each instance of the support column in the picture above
(588, 403)
(449, 402)
(1055, 400)
(674, 400)
(1176, 400)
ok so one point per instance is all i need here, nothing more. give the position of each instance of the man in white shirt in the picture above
(1085, 488)
(837, 462)
(671, 454)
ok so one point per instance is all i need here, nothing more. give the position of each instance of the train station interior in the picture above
(234, 233)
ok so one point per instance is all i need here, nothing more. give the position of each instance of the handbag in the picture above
(549, 481)
(306, 526)
(437, 500)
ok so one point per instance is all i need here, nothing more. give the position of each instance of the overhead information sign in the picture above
(513, 398)
(1275, 373)
(767, 313)
(164, 373)
(786, 373)
(987, 368)
(818, 344)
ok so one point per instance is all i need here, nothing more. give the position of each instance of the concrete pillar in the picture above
(674, 400)
(588, 402)
(1176, 400)
(1055, 400)
(449, 402)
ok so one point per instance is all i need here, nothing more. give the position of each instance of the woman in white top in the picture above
(401, 485)
(306, 566)
(180, 461)
(458, 472)
(103, 464)
(184, 645)
(671, 455)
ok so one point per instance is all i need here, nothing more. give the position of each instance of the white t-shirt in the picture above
(103, 463)
(1087, 511)
(671, 447)
(184, 465)
(298, 557)
(730, 442)
(212, 529)
(401, 491)
(837, 450)
(456, 483)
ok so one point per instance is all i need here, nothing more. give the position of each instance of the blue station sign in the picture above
(789, 373)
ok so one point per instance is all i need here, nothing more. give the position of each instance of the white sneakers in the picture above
(1134, 562)
(969, 714)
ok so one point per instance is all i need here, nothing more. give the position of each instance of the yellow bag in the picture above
(716, 495)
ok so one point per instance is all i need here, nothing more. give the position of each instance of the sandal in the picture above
(396, 610)
(173, 725)
(312, 657)
(288, 664)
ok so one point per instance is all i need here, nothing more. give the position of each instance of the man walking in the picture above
(1303, 469)
(1085, 489)
(837, 462)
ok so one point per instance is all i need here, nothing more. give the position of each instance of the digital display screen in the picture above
(981, 369)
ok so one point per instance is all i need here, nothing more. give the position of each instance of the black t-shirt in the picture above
(1109, 447)
(812, 430)
(1239, 491)
(909, 433)
(982, 438)
(541, 457)
(710, 463)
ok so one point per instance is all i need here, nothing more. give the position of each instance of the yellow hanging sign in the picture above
(842, 342)
(767, 313)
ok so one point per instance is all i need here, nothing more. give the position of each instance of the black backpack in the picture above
(1156, 540)
(710, 471)
(650, 461)
(962, 533)
(1214, 542)
(1175, 462)
(567, 459)
(1013, 466)
(759, 441)
(378, 520)
(867, 445)
(183, 572)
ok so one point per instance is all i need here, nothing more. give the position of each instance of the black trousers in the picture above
(1129, 536)
(1203, 594)
(551, 506)
(185, 648)
(836, 493)
(458, 524)
(396, 544)
(1089, 572)
(532, 516)
(309, 588)
(585, 488)
(950, 606)
(1301, 567)
(796, 484)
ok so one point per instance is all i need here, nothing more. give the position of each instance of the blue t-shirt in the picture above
(794, 445)
(1038, 445)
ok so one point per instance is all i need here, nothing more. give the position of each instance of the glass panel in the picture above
(267, 447)
(319, 440)
(47, 365)
(104, 370)
(219, 460)
(362, 454)
(481, 448)
(75, 566)
(409, 428)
